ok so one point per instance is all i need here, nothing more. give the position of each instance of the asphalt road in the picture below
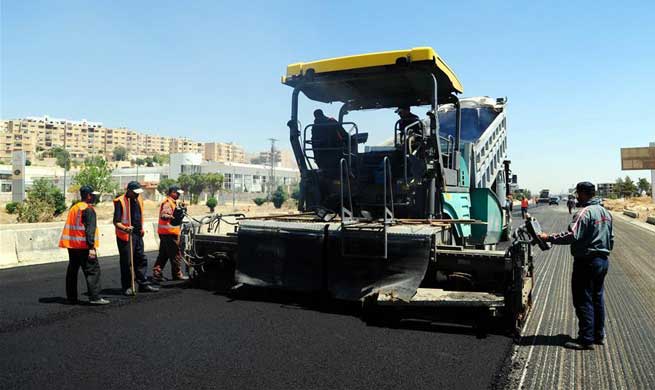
(627, 361)
(190, 338)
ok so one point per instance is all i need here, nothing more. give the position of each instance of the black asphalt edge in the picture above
(86, 308)
(502, 378)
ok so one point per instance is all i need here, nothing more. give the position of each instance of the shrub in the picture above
(260, 201)
(279, 197)
(211, 203)
(295, 192)
(35, 210)
(45, 191)
(11, 207)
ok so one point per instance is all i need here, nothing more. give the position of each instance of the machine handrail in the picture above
(397, 127)
(387, 212)
(312, 149)
(346, 214)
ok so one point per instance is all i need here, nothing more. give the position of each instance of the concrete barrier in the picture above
(38, 246)
(26, 244)
(8, 256)
(651, 220)
(631, 214)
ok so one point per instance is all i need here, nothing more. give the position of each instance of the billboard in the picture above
(637, 158)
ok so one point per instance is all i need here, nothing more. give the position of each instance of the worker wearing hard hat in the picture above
(169, 229)
(591, 238)
(128, 220)
(80, 237)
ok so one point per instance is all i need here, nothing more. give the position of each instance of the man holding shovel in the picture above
(128, 220)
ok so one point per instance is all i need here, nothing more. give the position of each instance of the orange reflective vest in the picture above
(524, 203)
(164, 226)
(126, 217)
(74, 233)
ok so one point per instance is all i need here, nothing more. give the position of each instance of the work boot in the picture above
(157, 275)
(180, 276)
(99, 301)
(128, 292)
(579, 345)
(599, 341)
(148, 288)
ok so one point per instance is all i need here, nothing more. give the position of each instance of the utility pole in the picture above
(234, 184)
(272, 158)
(65, 156)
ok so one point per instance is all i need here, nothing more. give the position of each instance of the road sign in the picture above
(637, 158)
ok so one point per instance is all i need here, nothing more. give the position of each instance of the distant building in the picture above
(220, 151)
(605, 189)
(185, 145)
(83, 139)
(283, 158)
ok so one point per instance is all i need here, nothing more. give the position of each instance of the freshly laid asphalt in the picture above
(192, 338)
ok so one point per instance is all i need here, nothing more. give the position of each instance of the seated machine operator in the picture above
(406, 119)
(329, 141)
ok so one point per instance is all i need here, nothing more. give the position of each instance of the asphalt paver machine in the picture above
(410, 225)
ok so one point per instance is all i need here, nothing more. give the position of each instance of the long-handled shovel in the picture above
(132, 264)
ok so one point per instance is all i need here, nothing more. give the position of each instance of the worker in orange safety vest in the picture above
(80, 237)
(169, 237)
(128, 220)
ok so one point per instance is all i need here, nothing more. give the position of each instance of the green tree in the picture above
(618, 186)
(629, 188)
(184, 181)
(164, 184)
(644, 186)
(279, 197)
(211, 203)
(120, 153)
(214, 182)
(161, 159)
(28, 162)
(62, 156)
(140, 161)
(97, 174)
(198, 184)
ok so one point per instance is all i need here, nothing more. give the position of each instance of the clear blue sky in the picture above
(579, 75)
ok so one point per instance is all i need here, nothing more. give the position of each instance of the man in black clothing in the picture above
(407, 121)
(128, 220)
(80, 236)
(329, 142)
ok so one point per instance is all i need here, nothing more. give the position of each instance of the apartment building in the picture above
(220, 151)
(185, 145)
(83, 139)
(605, 189)
(283, 158)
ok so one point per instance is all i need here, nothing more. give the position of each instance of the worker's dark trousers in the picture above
(80, 258)
(140, 261)
(524, 211)
(587, 287)
(169, 250)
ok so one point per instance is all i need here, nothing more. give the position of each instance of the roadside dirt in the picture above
(105, 210)
(643, 205)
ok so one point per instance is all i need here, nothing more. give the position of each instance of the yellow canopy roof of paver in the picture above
(374, 79)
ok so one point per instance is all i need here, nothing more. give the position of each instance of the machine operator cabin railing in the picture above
(489, 152)
(308, 146)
